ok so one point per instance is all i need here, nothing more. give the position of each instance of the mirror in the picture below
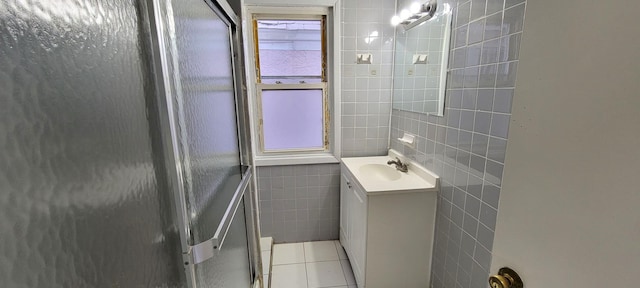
(420, 64)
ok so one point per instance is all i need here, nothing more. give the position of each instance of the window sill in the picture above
(282, 160)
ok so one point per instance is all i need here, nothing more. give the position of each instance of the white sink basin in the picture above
(381, 171)
(376, 177)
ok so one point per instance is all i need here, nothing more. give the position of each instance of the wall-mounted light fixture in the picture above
(415, 14)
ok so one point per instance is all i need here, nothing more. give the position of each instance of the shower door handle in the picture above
(207, 249)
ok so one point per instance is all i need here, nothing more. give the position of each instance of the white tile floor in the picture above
(311, 265)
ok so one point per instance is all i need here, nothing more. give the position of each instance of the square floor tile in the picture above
(266, 262)
(288, 253)
(265, 243)
(325, 274)
(348, 273)
(320, 251)
(341, 253)
(289, 276)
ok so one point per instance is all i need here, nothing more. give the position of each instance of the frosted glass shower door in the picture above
(197, 60)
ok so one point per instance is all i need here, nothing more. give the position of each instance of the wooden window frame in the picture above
(330, 153)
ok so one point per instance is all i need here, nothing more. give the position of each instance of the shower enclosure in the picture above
(196, 59)
(123, 150)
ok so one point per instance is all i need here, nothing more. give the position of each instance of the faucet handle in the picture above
(403, 167)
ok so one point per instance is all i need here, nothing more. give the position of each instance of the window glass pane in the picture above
(290, 48)
(292, 119)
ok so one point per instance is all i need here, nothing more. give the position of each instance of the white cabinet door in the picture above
(358, 235)
(345, 195)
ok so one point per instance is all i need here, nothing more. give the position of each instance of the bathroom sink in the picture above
(381, 171)
(376, 177)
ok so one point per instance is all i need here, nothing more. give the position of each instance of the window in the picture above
(293, 103)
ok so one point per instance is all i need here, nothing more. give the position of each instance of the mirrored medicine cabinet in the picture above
(420, 63)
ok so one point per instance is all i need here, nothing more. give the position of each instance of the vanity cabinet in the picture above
(388, 236)
(353, 223)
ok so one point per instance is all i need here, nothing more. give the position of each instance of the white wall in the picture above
(569, 213)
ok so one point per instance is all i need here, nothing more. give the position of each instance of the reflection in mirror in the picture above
(420, 64)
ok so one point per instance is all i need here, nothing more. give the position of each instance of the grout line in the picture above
(325, 261)
(304, 253)
(304, 258)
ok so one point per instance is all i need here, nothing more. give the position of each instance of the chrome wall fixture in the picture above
(416, 13)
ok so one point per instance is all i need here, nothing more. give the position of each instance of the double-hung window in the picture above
(293, 100)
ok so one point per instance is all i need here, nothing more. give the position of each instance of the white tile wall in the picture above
(299, 203)
(366, 88)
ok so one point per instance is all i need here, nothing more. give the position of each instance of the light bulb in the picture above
(395, 20)
(415, 8)
(405, 14)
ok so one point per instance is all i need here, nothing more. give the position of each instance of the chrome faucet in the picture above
(402, 167)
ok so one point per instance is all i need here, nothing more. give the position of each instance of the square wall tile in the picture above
(513, 19)
(478, 8)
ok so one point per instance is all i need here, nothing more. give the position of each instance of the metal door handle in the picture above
(506, 278)
(498, 281)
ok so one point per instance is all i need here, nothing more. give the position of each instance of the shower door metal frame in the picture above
(154, 12)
